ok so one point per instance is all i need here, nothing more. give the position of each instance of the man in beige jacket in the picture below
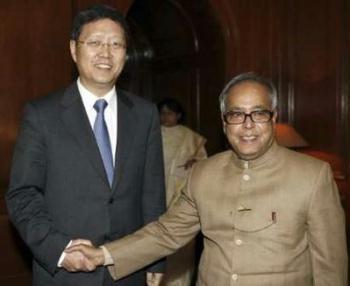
(269, 215)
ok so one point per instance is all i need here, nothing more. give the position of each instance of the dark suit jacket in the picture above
(59, 189)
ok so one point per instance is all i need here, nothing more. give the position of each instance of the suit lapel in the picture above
(127, 118)
(77, 123)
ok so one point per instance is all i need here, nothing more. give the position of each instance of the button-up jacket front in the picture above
(276, 220)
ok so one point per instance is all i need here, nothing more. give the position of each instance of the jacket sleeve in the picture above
(326, 232)
(153, 200)
(25, 197)
(158, 239)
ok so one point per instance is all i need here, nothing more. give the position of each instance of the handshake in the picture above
(81, 255)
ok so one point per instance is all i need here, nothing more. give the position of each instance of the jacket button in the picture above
(246, 177)
(238, 242)
(111, 201)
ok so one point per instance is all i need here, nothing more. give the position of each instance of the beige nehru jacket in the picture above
(272, 221)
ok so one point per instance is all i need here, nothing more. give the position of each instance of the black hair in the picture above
(95, 13)
(173, 105)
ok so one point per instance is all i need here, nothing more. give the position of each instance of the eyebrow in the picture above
(256, 107)
(100, 34)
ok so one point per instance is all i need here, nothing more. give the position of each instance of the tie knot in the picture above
(100, 105)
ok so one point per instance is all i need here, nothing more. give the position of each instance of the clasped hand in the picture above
(81, 255)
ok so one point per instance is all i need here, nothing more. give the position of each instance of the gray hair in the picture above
(252, 77)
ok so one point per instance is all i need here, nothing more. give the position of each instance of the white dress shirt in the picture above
(89, 100)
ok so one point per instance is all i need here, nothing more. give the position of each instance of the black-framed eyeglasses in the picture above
(239, 117)
(97, 44)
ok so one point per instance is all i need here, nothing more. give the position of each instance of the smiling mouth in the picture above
(103, 66)
(249, 139)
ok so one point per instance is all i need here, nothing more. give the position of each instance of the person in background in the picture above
(88, 161)
(182, 147)
(269, 216)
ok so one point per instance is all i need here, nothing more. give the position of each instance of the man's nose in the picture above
(105, 49)
(248, 122)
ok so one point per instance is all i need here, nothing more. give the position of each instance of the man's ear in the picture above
(223, 124)
(73, 50)
(274, 116)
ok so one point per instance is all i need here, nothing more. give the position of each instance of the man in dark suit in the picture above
(88, 160)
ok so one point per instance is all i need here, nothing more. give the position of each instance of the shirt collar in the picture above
(89, 98)
(268, 156)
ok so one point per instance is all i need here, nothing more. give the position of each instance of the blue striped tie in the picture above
(102, 138)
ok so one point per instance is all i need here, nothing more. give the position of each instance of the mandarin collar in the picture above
(268, 156)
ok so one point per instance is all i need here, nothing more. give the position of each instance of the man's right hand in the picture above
(84, 257)
(74, 262)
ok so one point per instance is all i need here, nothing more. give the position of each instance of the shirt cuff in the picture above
(63, 255)
(108, 257)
